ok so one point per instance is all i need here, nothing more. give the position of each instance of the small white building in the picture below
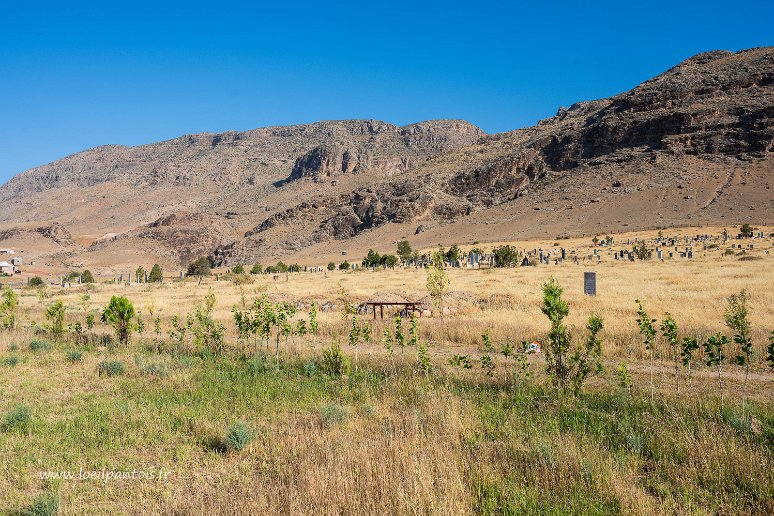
(16, 261)
(6, 251)
(6, 268)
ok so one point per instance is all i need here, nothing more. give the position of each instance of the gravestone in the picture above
(590, 283)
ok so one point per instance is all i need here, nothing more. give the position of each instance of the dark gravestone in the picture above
(590, 283)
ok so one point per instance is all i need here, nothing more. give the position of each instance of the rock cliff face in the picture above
(692, 145)
(388, 150)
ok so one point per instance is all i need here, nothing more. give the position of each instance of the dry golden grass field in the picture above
(247, 430)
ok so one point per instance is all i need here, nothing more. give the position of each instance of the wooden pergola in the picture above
(407, 305)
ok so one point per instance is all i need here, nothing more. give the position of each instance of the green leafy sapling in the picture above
(737, 319)
(713, 348)
(689, 347)
(487, 364)
(669, 331)
(648, 332)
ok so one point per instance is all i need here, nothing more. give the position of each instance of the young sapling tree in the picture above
(648, 332)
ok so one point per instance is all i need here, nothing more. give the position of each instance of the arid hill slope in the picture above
(691, 146)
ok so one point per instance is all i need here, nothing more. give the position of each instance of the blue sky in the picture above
(74, 75)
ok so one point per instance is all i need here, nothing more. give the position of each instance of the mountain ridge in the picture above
(704, 126)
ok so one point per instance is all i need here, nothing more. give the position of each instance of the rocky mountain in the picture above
(690, 146)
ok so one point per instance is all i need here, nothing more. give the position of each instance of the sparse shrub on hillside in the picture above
(88, 277)
(17, 420)
(36, 281)
(334, 361)
(331, 266)
(257, 269)
(111, 368)
(11, 361)
(74, 356)
(344, 266)
(40, 345)
(46, 504)
(746, 231)
(238, 269)
(334, 414)
(239, 436)
(139, 274)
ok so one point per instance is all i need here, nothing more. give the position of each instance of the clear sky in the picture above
(76, 74)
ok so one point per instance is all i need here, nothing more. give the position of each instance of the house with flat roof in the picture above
(6, 268)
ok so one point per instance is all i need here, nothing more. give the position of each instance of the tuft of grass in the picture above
(74, 356)
(13, 347)
(239, 436)
(40, 346)
(334, 414)
(11, 361)
(46, 504)
(17, 420)
(111, 368)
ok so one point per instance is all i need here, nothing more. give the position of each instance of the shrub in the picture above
(8, 307)
(156, 274)
(344, 265)
(199, 267)
(239, 436)
(257, 269)
(17, 420)
(40, 345)
(331, 266)
(120, 314)
(44, 505)
(13, 347)
(74, 356)
(334, 361)
(11, 361)
(641, 251)
(87, 277)
(150, 368)
(506, 256)
(334, 414)
(111, 368)
(36, 281)
(238, 269)
(55, 315)
(257, 365)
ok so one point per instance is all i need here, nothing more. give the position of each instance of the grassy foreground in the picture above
(385, 439)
